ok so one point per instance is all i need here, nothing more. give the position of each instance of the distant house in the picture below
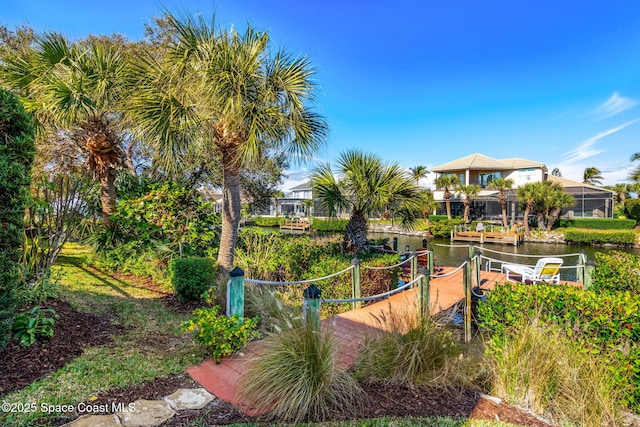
(293, 203)
(479, 169)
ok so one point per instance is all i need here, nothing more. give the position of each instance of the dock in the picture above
(514, 235)
(301, 224)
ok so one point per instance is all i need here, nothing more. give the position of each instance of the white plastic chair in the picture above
(545, 270)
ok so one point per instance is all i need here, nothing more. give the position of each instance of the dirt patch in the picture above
(73, 331)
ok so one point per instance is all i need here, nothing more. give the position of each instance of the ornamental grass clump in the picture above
(534, 365)
(411, 353)
(296, 378)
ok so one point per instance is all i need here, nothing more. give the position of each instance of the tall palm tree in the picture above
(556, 172)
(502, 185)
(620, 192)
(226, 94)
(418, 172)
(592, 176)
(528, 194)
(447, 183)
(470, 191)
(635, 175)
(365, 185)
(74, 91)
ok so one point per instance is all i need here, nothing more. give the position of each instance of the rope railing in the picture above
(566, 267)
(437, 276)
(366, 267)
(450, 246)
(485, 249)
(378, 296)
(298, 282)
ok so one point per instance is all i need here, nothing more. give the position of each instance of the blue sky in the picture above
(426, 82)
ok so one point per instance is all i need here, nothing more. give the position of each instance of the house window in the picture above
(526, 175)
(486, 178)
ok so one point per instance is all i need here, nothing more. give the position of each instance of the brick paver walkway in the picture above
(349, 328)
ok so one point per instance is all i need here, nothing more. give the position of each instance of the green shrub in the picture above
(632, 209)
(617, 271)
(296, 378)
(438, 218)
(17, 151)
(270, 221)
(600, 322)
(598, 223)
(220, 335)
(330, 224)
(443, 228)
(34, 323)
(615, 237)
(192, 277)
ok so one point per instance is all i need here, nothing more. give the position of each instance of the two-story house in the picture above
(479, 169)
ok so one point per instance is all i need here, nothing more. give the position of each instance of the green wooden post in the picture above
(580, 269)
(414, 266)
(430, 260)
(235, 293)
(425, 300)
(476, 268)
(472, 250)
(467, 300)
(355, 282)
(589, 268)
(311, 306)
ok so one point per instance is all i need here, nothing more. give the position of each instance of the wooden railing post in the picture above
(476, 268)
(355, 282)
(395, 244)
(414, 266)
(580, 268)
(589, 268)
(472, 250)
(235, 293)
(311, 306)
(430, 265)
(467, 300)
(425, 302)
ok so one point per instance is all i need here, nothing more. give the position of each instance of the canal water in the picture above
(450, 253)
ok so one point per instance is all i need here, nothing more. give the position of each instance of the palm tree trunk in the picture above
(355, 235)
(230, 215)
(466, 210)
(527, 210)
(107, 196)
(447, 203)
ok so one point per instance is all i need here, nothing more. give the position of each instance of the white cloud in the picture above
(586, 149)
(616, 104)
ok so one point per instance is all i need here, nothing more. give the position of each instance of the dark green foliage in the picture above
(632, 209)
(617, 271)
(615, 237)
(603, 323)
(17, 152)
(269, 221)
(438, 217)
(192, 277)
(443, 228)
(598, 223)
(147, 232)
(331, 224)
(33, 324)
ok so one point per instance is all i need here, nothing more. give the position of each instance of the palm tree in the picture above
(556, 172)
(447, 182)
(277, 195)
(365, 185)
(549, 200)
(620, 192)
(502, 185)
(74, 91)
(226, 94)
(528, 194)
(308, 204)
(592, 176)
(635, 175)
(470, 191)
(418, 172)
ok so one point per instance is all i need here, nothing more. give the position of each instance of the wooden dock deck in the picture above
(350, 330)
(513, 236)
(298, 224)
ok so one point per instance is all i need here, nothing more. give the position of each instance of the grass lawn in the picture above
(151, 343)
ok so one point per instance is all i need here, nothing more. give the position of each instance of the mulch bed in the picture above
(74, 331)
